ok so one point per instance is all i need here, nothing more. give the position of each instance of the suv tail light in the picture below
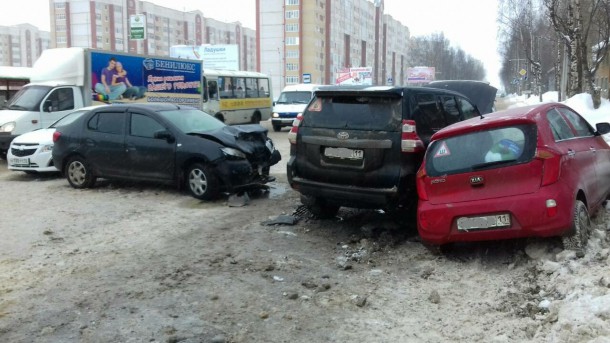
(551, 168)
(56, 136)
(421, 183)
(292, 135)
(410, 141)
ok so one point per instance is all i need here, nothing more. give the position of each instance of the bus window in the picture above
(213, 90)
(225, 87)
(251, 87)
(240, 87)
(263, 86)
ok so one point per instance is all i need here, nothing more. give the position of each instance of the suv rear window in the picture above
(357, 112)
(481, 150)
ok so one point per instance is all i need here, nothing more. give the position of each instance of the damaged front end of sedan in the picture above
(247, 156)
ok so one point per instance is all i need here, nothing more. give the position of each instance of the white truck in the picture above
(291, 102)
(65, 79)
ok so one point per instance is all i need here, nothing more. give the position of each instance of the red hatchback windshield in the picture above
(481, 150)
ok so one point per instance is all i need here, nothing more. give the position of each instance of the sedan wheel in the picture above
(79, 174)
(201, 182)
(581, 227)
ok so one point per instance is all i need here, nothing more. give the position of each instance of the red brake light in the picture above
(410, 141)
(420, 182)
(292, 135)
(56, 136)
(551, 169)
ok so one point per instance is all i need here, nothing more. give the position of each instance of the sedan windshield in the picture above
(192, 120)
(70, 117)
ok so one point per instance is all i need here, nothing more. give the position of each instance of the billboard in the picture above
(420, 74)
(146, 79)
(355, 76)
(213, 56)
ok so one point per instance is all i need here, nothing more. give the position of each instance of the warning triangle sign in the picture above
(442, 150)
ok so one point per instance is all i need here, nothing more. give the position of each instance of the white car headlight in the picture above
(275, 115)
(233, 153)
(46, 148)
(8, 127)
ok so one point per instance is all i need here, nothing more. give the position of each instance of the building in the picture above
(321, 37)
(21, 45)
(104, 24)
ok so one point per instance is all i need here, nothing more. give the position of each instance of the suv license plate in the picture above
(19, 161)
(352, 154)
(484, 222)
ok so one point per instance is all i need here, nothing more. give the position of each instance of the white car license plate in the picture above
(19, 161)
(484, 222)
(352, 154)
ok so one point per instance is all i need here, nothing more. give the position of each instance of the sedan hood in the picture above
(43, 136)
(251, 139)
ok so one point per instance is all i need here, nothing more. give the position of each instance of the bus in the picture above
(237, 97)
(11, 81)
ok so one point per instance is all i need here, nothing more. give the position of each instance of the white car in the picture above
(31, 151)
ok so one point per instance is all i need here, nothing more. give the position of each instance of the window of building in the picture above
(292, 27)
(292, 2)
(292, 66)
(60, 5)
(292, 54)
(60, 16)
(291, 80)
(292, 40)
(292, 14)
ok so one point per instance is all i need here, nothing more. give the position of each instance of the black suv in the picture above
(362, 146)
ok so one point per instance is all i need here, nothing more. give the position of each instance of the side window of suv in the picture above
(427, 113)
(107, 122)
(468, 109)
(452, 114)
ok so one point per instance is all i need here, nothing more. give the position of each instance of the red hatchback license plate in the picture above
(484, 222)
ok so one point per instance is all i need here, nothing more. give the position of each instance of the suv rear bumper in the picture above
(346, 195)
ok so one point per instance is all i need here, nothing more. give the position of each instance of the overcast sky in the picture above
(469, 24)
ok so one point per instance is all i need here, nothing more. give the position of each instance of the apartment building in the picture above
(104, 24)
(21, 45)
(321, 37)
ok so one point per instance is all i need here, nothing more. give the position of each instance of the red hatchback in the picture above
(529, 171)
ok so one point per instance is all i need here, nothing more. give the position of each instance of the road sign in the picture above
(137, 27)
(306, 78)
(522, 72)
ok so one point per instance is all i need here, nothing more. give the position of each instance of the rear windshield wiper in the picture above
(494, 163)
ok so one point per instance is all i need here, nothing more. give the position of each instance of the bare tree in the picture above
(584, 27)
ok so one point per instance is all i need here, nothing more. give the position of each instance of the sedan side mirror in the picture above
(164, 134)
(602, 128)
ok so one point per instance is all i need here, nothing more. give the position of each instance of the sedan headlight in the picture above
(46, 148)
(8, 127)
(233, 153)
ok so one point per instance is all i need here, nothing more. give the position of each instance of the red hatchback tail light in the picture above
(551, 168)
(410, 141)
(56, 136)
(292, 135)
(421, 183)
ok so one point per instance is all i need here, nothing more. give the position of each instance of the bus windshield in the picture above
(28, 98)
